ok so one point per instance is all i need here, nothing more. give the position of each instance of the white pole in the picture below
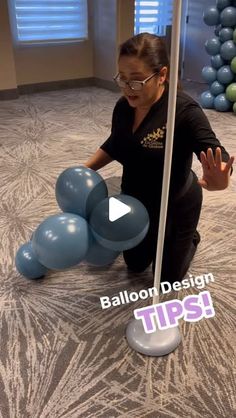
(174, 63)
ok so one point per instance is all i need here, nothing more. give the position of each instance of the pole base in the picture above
(158, 343)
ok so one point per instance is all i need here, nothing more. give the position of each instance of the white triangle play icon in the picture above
(117, 209)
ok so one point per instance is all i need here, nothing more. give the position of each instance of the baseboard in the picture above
(57, 85)
(9, 94)
(106, 84)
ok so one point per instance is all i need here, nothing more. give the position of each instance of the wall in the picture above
(104, 38)
(110, 23)
(52, 63)
(38, 64)
(113, 23)
(7, 66)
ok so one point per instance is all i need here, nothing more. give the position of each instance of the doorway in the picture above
(196, 32)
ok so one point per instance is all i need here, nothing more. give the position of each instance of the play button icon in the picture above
(117, 209)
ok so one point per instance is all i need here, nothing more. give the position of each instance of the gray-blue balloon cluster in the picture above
(83, 231)
(221, 74)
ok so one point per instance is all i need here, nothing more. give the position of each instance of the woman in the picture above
(137, 141)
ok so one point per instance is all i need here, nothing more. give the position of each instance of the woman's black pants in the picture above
(179, 247)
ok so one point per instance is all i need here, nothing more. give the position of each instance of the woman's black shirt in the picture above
(142, 153)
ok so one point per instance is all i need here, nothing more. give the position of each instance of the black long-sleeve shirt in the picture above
(142, 153)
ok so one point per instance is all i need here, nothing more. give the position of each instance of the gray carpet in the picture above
(61, 355)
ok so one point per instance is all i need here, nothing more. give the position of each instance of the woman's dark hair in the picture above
(149, 48)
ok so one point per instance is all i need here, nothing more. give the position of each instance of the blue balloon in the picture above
(228, 16)
(221, 103)
(217, 88)
(123, 233)
(228, 50)
(61, 241)
(27, 263)
(209, 74)
(225, 75)
(212, 46)
(98, 255)
(211, 16)
(207, 100)
(222, 4)
(79, 190)
(226, 34)
(217, 61)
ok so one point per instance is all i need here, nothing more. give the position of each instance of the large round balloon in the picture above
(222, 4)
(217, 61)
(234, 107)
(212, 46)
(226, 34)
(233, 65)
(98, 255)
(61, 240)
(231, 92)
(207, 100)
(228, 16)
(123, 232)
(225, 75)
(209, 74)
(79, 190)
(221, 103)
(217, 88)
(211, 16)
(228, 50)
(27, 263)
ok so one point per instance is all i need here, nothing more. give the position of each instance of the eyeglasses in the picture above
(133, 84)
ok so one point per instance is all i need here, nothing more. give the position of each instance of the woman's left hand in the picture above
(216, 174)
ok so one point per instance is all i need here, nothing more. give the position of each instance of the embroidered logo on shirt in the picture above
(154, 139)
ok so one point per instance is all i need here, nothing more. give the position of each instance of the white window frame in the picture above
(159, 13)
(44, 42)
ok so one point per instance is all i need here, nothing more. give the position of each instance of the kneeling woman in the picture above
(137, 141)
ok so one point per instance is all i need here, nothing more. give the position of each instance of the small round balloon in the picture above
(225, 75)
(27, 263)
(222, 4)
(221, 103)
(228, 50)
(217, 61)
(231, 92)
(228, 17)
(233, 65)
(211, 16)
(98, 255)
(217, 88)
(124, 232)
(212, 46)
(61, 241)
(209, 74)
(226, 34)
(207, 100)
(79, 190)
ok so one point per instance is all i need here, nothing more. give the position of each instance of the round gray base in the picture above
(158, 343)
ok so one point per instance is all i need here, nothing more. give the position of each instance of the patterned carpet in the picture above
(61, 355)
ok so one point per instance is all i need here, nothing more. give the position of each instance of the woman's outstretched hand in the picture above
(216, 174)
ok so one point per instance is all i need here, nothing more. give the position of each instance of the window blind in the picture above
(49, 20)
(153, 16)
